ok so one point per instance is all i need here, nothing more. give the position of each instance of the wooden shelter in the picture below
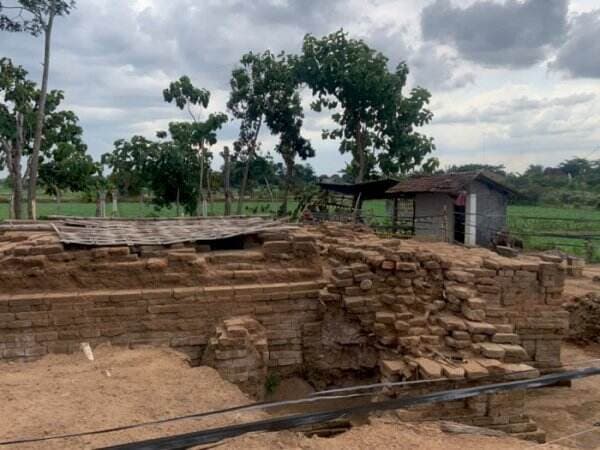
(463, 207)
(350, 197)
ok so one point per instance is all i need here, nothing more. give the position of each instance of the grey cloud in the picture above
(580, 56)
(514, 34)
(508, 112)
(435, 70)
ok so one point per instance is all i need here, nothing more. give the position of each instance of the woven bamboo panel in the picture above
(157, 232)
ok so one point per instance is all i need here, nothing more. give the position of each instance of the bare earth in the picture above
(580, 286)
(67, 394)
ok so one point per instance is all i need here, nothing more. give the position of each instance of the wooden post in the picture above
(11, 206)
(102, 203)
(115, 204)
(445, 224)
(395, 216)
(357, 206)
(58, 201)
(414, 216)
(141, 214)
(589, 251)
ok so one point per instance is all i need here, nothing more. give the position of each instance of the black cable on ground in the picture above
(184, 441)
(330, 394)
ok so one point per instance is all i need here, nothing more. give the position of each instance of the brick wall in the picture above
(184, 318)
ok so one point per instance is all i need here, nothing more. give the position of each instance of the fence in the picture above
(579, 237)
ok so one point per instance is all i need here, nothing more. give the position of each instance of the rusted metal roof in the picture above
(113, 232)
(451, 183)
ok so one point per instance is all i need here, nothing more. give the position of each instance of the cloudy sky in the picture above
(514, 82)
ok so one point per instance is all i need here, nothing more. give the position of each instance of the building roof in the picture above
(368, 190)
(451, 183)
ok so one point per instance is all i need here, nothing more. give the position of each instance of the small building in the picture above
(464, 207)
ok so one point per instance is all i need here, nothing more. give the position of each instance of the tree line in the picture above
(575, 182)
(376, 122)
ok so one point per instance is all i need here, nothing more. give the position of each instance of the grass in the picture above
(134, 209)
(539, 227)
(563, 228)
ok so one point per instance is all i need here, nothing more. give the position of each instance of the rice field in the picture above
(575, 231)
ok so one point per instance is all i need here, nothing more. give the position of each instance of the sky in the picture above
(513, 82)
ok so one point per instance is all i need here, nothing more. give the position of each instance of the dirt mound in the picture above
(69, 394)
(383, 435)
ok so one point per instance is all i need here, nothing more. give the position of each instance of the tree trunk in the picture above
(98, 205)
(209, 195)
(17, 187)
(14, 154)
(226, 181)
(39, 126)
(200, 202)
(251, 151)
(361, 155)
(289, 173)
(240, 204)
(58, 200)
(177, 207)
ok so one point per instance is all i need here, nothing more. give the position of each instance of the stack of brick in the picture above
(239, 352)
(417, 306)
(584, 317)
(38, 262)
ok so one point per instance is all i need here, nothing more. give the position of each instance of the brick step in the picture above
(235, 257)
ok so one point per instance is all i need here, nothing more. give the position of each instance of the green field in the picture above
(539, 227)
(575, 231)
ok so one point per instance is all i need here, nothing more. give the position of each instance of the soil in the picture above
(562, 411)
(67, 393)
(576, 287)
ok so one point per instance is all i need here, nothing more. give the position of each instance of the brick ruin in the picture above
(332, 303)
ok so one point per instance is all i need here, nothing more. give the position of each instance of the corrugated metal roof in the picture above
(451, 183)
(156, 232)
(368, 190)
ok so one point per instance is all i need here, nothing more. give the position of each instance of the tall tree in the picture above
(199, 134)
(16, 108)
(35, 17)
(375, 118)
(173, 174)
(19, 101)
(247, 103)
(284, 116)
(227, 179)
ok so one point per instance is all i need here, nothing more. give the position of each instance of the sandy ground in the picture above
(565, 411)
(580, 286)
(66, 394)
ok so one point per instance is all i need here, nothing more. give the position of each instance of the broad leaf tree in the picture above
(17, 106)
(198, 134)
(284, 116)
(35, 17)
(173, 175)
(247, 103)
(376, 121)
(19, 102)
(69, 167)
(127, 162)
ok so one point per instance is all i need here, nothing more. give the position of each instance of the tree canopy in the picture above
(376, 121)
